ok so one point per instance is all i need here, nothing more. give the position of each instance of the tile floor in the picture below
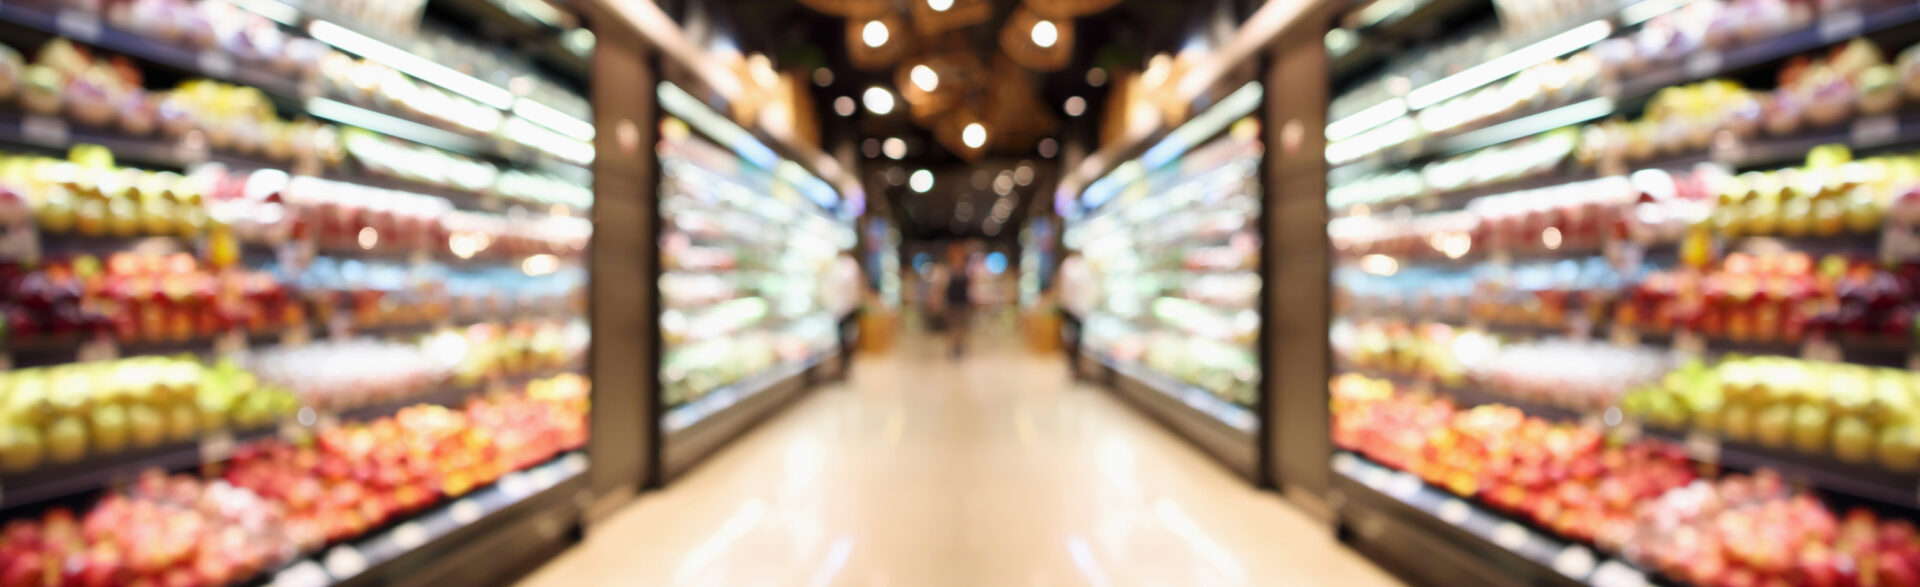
(991, 470)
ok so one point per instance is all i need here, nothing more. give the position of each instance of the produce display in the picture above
(1683, 240)
(747, 270)
(278, 499)
(1173, 262)
(314, 264)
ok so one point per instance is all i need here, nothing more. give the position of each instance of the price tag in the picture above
(1728, 152)
(1345, 464)
(491, 203)
(216, 447)
(99, 349)
(420, 258)
(514, 485)
(45, 131)
(1627, 431)
(216, 63)
(309, 88)
(1500, 257)
(1509, 536)
(1703, 447)
(231, 344)
(305, 573)
(1874, 131)
(340, 327)
(20, 241)
(1574, 561)
(1689, 343)
(1913, 362)
(78, 25)
(1703, 63)
(409, 535)
(1455, 512)
(1615, 574)
(465, 512)
(1820, 349)
(296, 336)
(1405, 485)
(344, 561)
(1841, 25)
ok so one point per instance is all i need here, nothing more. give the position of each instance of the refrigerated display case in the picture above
(1624, 294)
(237, 284)
(754, 283)
(1171, 244)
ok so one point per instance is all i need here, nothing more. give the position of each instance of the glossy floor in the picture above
(990, 470)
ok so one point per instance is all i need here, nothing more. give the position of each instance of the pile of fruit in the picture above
(1778, 298)
(88, 195)
(134, 298)
(66, 413)
(279, 498)
(1857, 414)
(1755, 530)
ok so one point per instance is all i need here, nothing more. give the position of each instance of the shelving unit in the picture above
(1434, 534)
(426, 275)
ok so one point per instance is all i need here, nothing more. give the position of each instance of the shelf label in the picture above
(1820, 349)
(1873, 131)
(1703, 447)
(1614, 574)
(296, 336)
(1574, 561)
(465, 511)
(305, 573)
(344, 561)
(1841, 25)
(45, 131)
(1622, 335)
(1689, 343)
(98, 349)
(1703, 63)
(1509, 536)
(20, 241)
(1405, 485)
(1454, 511)
(409, 536)
(216, 447)
(216, 63)
(231, 344)
(514, 485)
(1913, 362)
(78, 25)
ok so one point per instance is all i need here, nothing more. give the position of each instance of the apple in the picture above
(20, 448)
(109, 425)
(66, 440)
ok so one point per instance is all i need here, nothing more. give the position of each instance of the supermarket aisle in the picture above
(925, 472)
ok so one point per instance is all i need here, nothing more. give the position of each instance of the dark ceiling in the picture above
(799, 39)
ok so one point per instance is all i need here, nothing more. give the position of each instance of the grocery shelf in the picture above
(1823, 472)
(537, 501)
(87, 27)
(1430, 531)
(693, 430)
(50, 482)
(1830, 28)
(1227, 431)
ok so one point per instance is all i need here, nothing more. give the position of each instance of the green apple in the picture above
(1899, 447)
(1773, 425)
(183, 422)
(1812, 426)
(20, 448)
(145, 425)
(1853, 440)
(109, 428)
(66, 439)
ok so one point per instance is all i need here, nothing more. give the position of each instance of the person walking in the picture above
(959, 302)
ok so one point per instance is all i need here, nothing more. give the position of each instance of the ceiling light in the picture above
(974, 135)
(921, 181)
(1045, 34)
(878, 100)
(1076, 106)
(1096, 77)
(844, 105)
(822, 77)
(939, 5)
(874, 34)
(894, 148)
(924, 78)
(1048, 147)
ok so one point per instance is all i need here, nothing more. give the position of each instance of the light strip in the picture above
(1505, 65)
(410, 64)
(1647, 9)
(712, 124)
(1365, 120)
(1568, 115)
(527, 133)
(389, 125)
(560, 122)
(272, 9)
(1231, 108)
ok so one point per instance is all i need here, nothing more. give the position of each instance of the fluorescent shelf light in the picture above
(388, 125)
(521, 131)
(719, 128)
(560, 122)
(1505, 65)
(1366, 120)
(1231, 108)
(1568, 115)
(1647, 9)
(272, 9)
(410, 64)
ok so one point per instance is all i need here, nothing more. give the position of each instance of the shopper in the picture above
(958, 300)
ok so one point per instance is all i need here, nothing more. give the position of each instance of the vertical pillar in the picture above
(1298, 267)
(622, 295)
